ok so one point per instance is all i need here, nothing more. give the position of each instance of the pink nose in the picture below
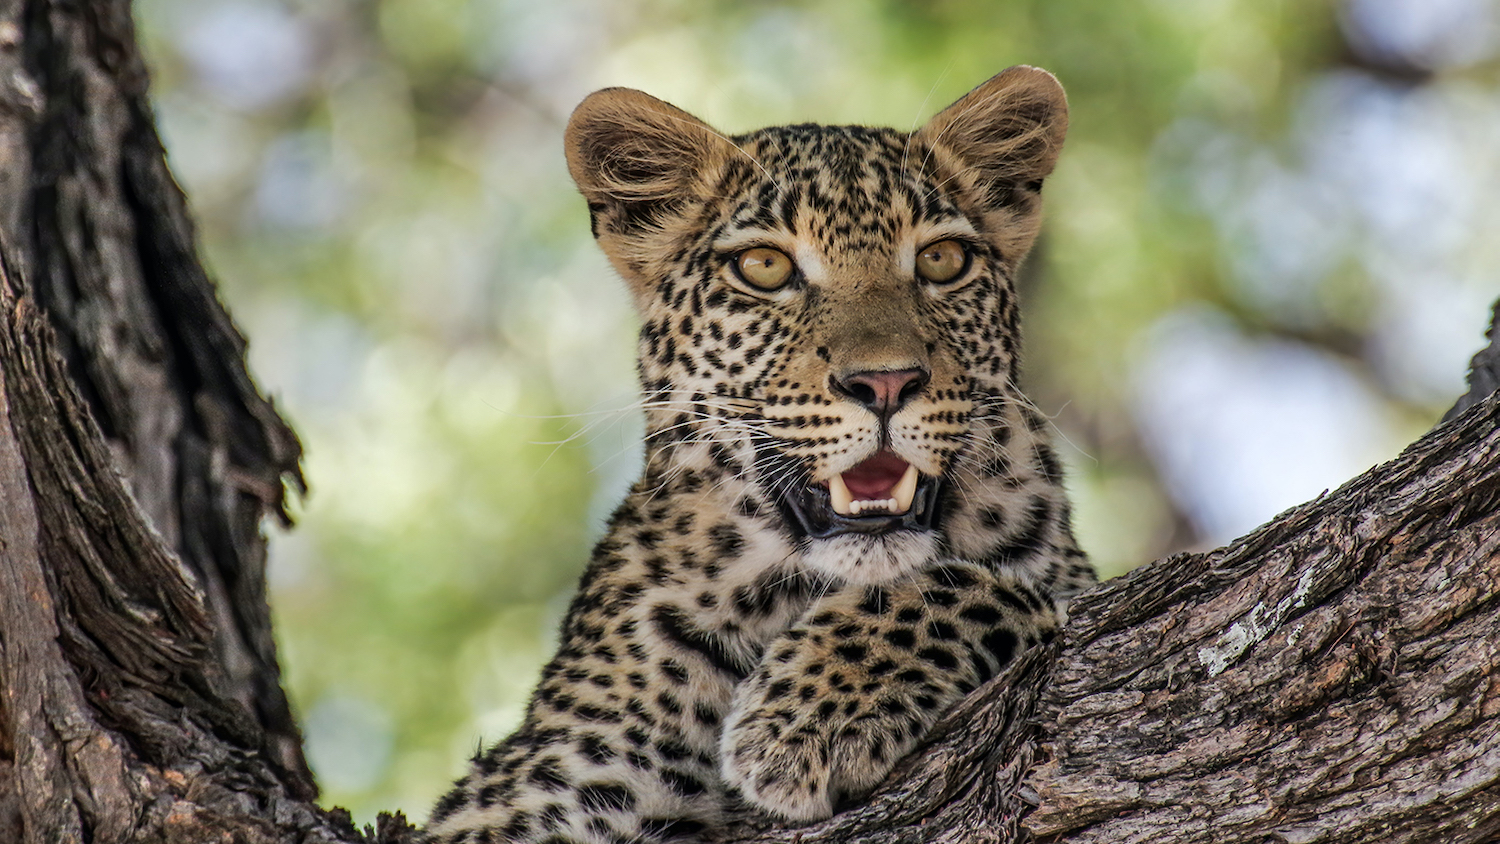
(882, 393)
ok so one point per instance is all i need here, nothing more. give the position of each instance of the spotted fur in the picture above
(717, 660)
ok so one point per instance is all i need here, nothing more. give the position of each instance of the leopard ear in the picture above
(635, 158)
(1007, 132)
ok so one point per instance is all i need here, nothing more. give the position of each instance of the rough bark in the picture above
(92, 221)
(141, 694)
(1330, 677)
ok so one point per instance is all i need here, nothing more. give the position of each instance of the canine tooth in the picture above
(840, 497)
(905, 490)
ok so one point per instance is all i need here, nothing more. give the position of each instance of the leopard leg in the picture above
(852, 687)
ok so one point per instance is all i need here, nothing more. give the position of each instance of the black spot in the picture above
(519, 826)
(876, 601)
(846, 631)
(727, 541)
(670, 827)
(674, 625)
(450, 803)
(605, 796)
(981, 614)
(851, 652)
(683, 784)
(552, 815)
(596, 749)
(952, 577)
(901, 637)
(1002, 643)
(672, 750)
(1046, 462)
(941, 657)
(674, 671)
(489, 795)
(590, 712)
(942, 631)
(940, 597)
(669, 703)
(547, 774)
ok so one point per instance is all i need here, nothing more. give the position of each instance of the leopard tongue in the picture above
(884, 484)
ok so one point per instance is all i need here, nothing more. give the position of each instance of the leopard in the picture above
(849, 515)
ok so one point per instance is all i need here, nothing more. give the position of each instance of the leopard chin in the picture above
(865, 559)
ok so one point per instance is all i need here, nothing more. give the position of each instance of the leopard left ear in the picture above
(1007, 131)
(634, 156)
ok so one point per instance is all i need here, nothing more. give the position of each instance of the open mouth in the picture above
(881, 495)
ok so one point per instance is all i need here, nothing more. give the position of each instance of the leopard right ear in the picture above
(635, 159)
(1007, 132)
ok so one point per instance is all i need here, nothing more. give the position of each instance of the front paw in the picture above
(778, 762)
(855, 685)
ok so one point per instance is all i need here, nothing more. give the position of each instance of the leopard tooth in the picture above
(839, 496)
(905, 491)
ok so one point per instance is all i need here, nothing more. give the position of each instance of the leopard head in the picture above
(827, 311)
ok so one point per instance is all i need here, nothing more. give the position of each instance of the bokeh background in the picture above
(1270, 248)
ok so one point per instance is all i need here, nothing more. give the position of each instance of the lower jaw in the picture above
(809, 512)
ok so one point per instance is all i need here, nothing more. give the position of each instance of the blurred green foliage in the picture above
(381, 191)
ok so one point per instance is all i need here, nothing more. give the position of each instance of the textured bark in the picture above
(94, 224)
(141, 694)
(115, 725)
(1330, 677)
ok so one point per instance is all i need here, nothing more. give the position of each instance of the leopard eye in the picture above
(942, 261)
(763, 267)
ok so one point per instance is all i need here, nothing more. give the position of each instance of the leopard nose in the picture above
(881, 392)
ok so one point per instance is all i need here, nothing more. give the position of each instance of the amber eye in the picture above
(764, 267)
(942, 261)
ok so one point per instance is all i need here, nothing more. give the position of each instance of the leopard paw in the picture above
(778, 763)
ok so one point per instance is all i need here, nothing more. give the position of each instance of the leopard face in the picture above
(829, 312)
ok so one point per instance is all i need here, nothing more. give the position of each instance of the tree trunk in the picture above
(142, 697)
(1331, 677)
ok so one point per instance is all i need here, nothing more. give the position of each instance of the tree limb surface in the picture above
(1332, 677)
(114, 728)
(98, 233)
